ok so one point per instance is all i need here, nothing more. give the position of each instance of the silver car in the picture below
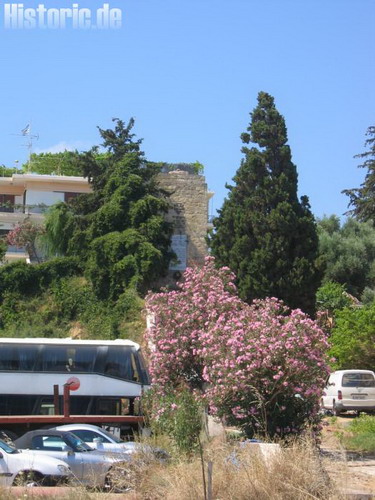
(90, 467)
(18, 468)
(100, 439)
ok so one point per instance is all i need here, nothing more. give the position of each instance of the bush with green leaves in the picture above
(332, 297)
(26, 279)
(176, 413)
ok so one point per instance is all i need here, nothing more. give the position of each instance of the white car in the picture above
(17, 468)
(350, 390)
(89, 467)
(100, 439)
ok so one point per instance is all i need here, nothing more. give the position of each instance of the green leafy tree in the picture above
(118, 230)
(353, 338)
(363, 199)
(264, 233)
(8, 171)
(348, 253)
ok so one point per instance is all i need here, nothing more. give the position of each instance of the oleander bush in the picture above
(261, 367)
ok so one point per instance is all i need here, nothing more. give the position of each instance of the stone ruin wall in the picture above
(189, 212)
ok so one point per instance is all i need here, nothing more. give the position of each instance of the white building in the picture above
(28, 196)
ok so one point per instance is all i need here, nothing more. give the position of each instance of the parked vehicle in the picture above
(350, 390)
(17, 468)
(100, 439)
(90, 467)
(105, 377)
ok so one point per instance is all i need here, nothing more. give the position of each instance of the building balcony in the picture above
(11, 216)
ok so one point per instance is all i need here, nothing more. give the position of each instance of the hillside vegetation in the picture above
(54, 299)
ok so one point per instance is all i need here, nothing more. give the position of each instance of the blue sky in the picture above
(189, 72)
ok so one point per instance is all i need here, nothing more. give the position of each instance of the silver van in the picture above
(350, 390)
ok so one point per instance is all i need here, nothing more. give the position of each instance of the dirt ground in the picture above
(350, 471)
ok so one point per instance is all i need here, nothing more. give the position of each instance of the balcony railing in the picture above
(14, 249)
(41, 208)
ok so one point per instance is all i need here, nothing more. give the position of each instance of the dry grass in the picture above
(295, 473)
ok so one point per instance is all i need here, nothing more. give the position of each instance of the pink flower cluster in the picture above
(24, 234)
(260, 366)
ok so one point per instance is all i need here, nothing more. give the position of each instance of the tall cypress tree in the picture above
(264, 233)
(362, 199)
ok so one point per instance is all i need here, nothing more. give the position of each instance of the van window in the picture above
(358, 380)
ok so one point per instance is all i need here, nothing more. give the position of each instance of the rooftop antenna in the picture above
(26, 132)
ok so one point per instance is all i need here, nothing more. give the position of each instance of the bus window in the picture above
(9, 359)
(108, 406)
(125, 406)
(119, 363)
(54, 359)
(140, 362)
(79, 405)
(84, 359)
(47, 407)
(134, 369)
(28, 356)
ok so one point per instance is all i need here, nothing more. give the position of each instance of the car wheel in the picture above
(28, 478)
(118, 479)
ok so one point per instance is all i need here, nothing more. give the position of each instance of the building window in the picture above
(70, 196)
(6, 202)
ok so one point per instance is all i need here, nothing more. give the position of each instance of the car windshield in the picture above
(7, 448)
(110, 436)
(76, 443)
(358, 379)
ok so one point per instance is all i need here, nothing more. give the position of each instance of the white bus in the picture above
(105, 376)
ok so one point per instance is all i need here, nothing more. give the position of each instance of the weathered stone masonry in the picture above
(189, 198)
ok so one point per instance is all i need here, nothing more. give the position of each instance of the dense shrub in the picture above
(26, 279)
(176, 414)
(58, 268)
(73, 297)
(331, 297)
(261, 367)
(36, 316)
(53, 299)
(19, 277)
